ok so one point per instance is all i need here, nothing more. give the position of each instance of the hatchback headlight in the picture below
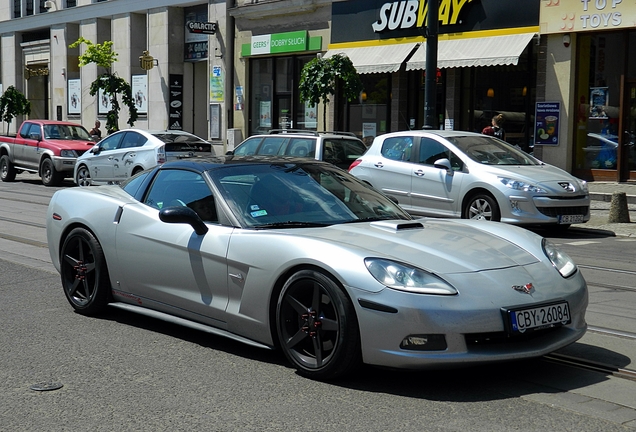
(520, 185)
(559, 259)
(68, 153)
(584, 188)
(404, 277)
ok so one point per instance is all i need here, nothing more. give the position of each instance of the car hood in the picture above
(440, 246)
(551, 178)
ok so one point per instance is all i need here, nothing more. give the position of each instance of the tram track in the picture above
(591, 365)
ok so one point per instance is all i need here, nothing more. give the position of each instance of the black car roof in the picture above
(202, 164)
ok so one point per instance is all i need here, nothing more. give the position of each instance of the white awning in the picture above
(485, 51)
(376, 59)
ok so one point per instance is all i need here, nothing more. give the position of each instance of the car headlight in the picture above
(404, 277)
(584, 188)
(521, 186)
(68, 153)
(559, 259)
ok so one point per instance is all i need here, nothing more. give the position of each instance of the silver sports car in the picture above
(299, 255)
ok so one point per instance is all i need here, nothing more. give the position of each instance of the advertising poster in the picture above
(216, 85)
(546, 130)
(176, 102)
(311, 117)
(103, 102)
(140, 93)
(599, 99)
(74, 96)
(196, 44)
(369, 130)
(265, 119)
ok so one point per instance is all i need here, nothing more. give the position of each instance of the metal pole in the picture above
(430, 85)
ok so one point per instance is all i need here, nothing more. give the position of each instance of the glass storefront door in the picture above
(629, 137)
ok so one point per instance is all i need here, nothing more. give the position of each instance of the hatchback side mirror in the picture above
(443, 164)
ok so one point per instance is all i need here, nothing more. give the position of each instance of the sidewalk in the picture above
(601, 195)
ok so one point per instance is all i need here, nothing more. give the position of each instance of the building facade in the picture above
(591, 77)
(172, 52)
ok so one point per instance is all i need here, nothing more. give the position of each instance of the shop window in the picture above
(598, 92)
(369, 115)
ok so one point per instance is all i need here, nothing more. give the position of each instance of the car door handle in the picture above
(419, 173)
(379, 165)
(111, 158)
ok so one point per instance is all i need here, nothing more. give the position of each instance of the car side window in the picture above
(182, 188)
(248, 147)
(28, 129)
(271, 145)
(110, 142)
(132, 139)
(431, 151)
(397, 148)
(301, 147)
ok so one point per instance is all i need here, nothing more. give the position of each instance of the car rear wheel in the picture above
(50, 176)
(317, 326)
(7, 170)
(84, 274)
(83, 176)
(482, 207)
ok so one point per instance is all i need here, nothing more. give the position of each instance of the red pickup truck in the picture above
(45, 147)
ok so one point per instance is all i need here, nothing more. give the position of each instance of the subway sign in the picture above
(412, 13)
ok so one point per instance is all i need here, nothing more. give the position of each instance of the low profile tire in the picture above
(7, 170)
(50, 176)
(83, 176)
(482, 207)
(84, 274)
(317, 326)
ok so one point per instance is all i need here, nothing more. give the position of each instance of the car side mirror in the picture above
(35, 136)
(443, 164)
(179, 214)
(96, 150)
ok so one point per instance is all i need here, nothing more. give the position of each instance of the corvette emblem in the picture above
(527, 288)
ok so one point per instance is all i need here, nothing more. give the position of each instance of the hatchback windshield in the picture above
(298, 195)
(491, 151)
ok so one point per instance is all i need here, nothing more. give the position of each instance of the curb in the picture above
(607, 197)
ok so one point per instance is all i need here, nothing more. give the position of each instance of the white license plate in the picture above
(539, 317)
(570, 219)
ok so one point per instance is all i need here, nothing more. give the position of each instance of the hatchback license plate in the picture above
(570, 219)
(539, 317)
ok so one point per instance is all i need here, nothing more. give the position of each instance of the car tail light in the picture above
(355, 163)
(161, 155)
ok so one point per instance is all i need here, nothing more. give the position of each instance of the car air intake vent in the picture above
(397, 226)
(556, 211)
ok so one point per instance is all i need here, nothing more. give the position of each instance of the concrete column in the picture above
(96, 31)
(159, 33)
(58, 70)
(12, 71)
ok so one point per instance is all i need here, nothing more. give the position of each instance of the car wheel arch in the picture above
(278, 287)
(471, 194)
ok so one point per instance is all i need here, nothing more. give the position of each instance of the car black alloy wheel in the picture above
(7, 170)
(83, 177)
(84, 274)
(50, 176)
(317, 326)
(482, 207)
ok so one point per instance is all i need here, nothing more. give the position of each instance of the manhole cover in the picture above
(46, 386)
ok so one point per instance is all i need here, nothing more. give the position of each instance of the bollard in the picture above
(619, 212)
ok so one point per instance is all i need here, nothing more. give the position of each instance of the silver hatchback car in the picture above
(472, 176)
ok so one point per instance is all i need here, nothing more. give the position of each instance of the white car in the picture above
(472, 176)
(129, 151)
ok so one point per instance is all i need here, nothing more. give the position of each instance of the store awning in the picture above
(484, 51)
(376, 59)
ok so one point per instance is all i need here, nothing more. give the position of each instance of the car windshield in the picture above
(491, 151)
(66, 132)
(300, 195)
(183, 142)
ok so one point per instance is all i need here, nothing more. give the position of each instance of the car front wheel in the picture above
(84, 274)
(50, 176)
(482, 207)
(83, 176)
(317, 326)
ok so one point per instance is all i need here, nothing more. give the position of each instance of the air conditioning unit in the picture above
(49, 4)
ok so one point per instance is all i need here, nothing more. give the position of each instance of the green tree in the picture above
(320, 77)
(12, 104)
(111, 84)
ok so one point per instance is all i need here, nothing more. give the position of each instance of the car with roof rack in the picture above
(338, 148)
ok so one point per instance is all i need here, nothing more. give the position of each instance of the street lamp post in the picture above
(430, 84)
